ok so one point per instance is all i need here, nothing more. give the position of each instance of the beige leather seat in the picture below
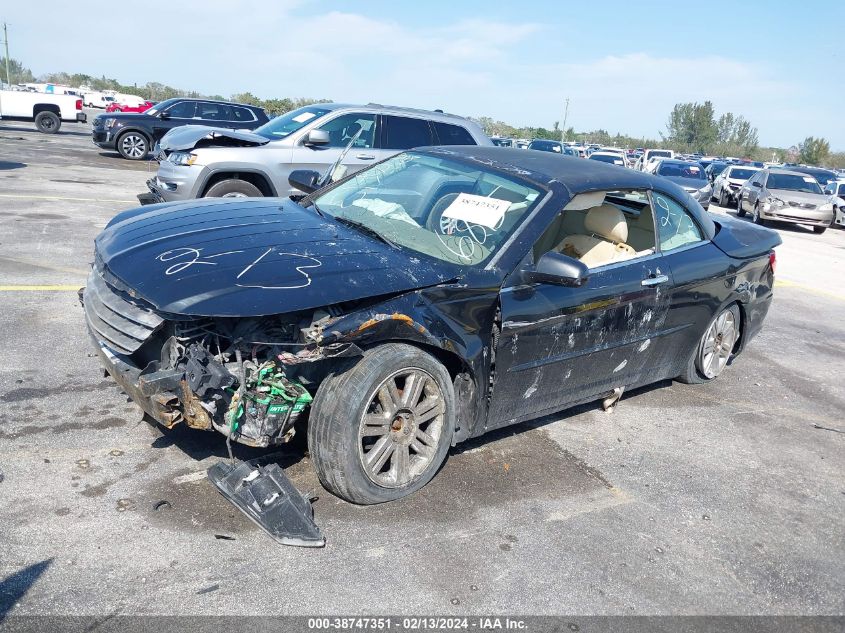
(606, 242)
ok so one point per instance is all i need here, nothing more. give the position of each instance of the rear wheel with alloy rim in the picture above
(381, 429)
(715, 348)
(133, 145)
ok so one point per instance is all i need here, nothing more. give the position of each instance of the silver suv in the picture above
(199, 161)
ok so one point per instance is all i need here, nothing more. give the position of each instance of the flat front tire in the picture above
(715, 348)
(380, 430)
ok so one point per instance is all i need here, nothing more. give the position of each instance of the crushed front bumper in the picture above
(262, 493)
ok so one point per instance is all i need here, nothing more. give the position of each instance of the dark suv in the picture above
(133, 135)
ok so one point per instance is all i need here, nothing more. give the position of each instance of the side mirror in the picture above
(317, 137)
(556, 268)
(304, 179)
(756, 185)
(163, 115)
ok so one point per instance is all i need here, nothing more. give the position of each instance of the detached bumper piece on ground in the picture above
(266, 495)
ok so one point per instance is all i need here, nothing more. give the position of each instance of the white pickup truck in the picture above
(47, 110)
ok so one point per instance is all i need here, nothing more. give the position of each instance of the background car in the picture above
(689, 176)
(649, 159)
(611, 158)
(201, 161)
(124, 107)
(544, 145)
(785, 196)
(836, 194)
(728, 183)
(133, 135)
(823, 176)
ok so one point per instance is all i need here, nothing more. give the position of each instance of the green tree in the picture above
(813, 151)
(18, 74)
(692, 126)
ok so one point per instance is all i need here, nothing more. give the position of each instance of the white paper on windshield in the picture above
(477, 210)
(809, 179)
(305, 116)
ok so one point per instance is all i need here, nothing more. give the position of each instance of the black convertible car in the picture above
(431, 298)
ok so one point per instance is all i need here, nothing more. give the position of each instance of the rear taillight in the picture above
(79, 104)
(773, 261)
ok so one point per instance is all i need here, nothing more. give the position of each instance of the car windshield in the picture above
(678, 170)
(793, 182)
(545, 146)
(824, 177)
(608, 158)
(287, 124)
(742, 174)
(161, 106)
(445, 209)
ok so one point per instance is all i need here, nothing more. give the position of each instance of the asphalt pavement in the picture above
(726, 498)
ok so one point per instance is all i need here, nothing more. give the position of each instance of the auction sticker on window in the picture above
(477, 210)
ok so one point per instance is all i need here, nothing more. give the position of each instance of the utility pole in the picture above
(563, 128)
(6, 41)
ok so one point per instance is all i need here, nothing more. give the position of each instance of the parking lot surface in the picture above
(724, 498)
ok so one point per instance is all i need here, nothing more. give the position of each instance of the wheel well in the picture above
(743, 318)
(38, 108)
(258, 180)
(137, 131)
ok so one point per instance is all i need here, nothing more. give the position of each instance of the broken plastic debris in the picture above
(270, 500)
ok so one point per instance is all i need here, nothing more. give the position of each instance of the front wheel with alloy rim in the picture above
(740, 210)
(714, 349)
(133, 145)
(381, 429)
(233, 188)
(723, 199)
(756, 217)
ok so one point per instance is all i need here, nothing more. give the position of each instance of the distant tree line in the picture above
(692, 127)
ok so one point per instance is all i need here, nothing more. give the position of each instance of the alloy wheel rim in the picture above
(133, 145)
(401, 427)
(234, 194)
(717, 344)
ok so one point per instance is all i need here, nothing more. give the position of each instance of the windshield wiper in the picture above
(363, 228)
(317, 209)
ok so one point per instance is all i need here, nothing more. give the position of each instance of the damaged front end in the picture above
(247, 378)
(250, 379)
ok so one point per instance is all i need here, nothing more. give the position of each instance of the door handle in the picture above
(655, 281)
(365, 156)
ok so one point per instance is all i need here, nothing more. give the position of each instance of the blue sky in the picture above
(623, 65)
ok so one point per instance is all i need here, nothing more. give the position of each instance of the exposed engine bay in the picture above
(250, 379)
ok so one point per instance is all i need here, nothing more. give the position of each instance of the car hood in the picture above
(798, 196)
(190, 136)
(688, 183)
(252, 257)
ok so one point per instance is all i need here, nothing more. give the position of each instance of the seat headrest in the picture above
(608, 222)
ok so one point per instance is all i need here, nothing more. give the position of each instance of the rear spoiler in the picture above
(742, 239)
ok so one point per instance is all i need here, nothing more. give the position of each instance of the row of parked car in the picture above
(221, 149)
(796, 194)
